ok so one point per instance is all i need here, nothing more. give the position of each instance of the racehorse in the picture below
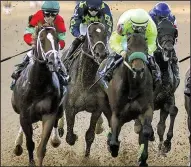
(37, 96)
(131, 97)
(187, 102)
(164, 98)
(82, 70)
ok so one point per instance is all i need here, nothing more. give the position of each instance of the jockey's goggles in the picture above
(93, 9)
(139, 28)
(48, 14)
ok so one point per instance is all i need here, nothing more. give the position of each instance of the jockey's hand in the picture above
(81, 38)
(123, 53)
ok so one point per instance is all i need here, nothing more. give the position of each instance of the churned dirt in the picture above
(12, 29)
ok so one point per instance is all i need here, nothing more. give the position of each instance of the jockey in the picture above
(85, 13)
(131, 21)
(162, 10)
(48, 14)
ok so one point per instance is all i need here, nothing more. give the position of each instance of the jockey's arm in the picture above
(76, 19)
(61, 30)
(151, 36)
(108, 19)
(30, 29)
(116, 42)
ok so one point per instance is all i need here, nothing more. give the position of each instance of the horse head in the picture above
(166, 38)
(46, 49)
(136, 58)
(96, 39)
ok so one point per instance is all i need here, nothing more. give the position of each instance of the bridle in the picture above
(92, 47)
(50, 52)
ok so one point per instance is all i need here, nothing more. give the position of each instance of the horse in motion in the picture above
(131, 97)
(82, 70)
(37, 96)
(187, 102)
(164, 98)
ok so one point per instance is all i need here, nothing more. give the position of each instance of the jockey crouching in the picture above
(131, 21)
(87, 12)
(48, 14)
(160, 11)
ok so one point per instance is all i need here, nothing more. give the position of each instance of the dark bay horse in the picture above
(83, 72)
(164, 98)
(187, 102)
(131, 97)
(37, 94)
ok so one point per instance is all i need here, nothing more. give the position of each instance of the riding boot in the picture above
(72, 48)
(155, 72)
(175, 69)
(63, 77)
(20, 67)
(107, 68)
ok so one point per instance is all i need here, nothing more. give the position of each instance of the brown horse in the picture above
(37, 96)
(131, 97)
(82, 71)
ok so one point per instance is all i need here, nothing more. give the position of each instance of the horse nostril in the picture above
(134, 69)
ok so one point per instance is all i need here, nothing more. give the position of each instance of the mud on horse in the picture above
(37, 96)
(82, 70)
(131, 97)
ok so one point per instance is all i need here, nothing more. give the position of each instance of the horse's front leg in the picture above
(90, 134)
(146, 133)
(113, 141)
(18, 143)
(28, 130)
(55, 140)
(167, 143)
(48, 122)
(70, 119)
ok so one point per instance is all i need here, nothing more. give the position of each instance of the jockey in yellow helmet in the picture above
(131, 21)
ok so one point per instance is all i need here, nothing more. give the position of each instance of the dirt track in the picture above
(12, 29)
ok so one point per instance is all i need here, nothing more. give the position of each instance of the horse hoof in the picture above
(18, 150)
(71, 139)
(141, 164)
(99, 130)
(114, 150)
(55, 143)
(32, 163)
(60, 132)
(87, 154)
(167, 146)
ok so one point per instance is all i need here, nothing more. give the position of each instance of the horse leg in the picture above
(161, 128)
(143, 150)
(112, 141)
(55, 140)
(90, 134)
(47, 126)
(61, 126)
(27, 128)
(167, 143)
(146, 133)
(70, 119)
(99, 128)
(18, 143)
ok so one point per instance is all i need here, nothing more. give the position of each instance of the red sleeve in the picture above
(62, 44)
(59, 23)
(37, 17)
(28, 38)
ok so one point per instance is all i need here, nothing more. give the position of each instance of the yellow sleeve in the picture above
(151, 35)
(115, 42)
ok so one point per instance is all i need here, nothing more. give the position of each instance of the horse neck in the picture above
(39, 75)
(87, 70)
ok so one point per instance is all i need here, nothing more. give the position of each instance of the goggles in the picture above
(48, 14)
(139, 29)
